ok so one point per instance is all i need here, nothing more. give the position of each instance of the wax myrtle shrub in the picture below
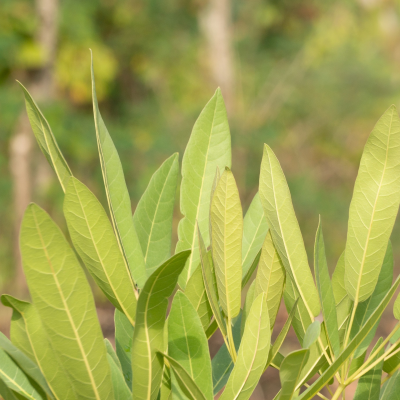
(57, 350)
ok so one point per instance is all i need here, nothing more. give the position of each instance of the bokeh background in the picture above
(309, 78)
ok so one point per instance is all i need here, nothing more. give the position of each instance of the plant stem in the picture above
(338, 392)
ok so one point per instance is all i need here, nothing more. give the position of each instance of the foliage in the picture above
(57, 350)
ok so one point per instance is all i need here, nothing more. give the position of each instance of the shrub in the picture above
(57, 350)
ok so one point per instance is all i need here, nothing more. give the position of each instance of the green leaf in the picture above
(366, 308)
(187, 342)
(255, 229)
(121, 390)
(270, 278)
(312, 334)
(74, 332)
(29, 367)
(148, 336)
(123, 344)
(112, 354)
(374, 207)
(118, 196)
(222, 363)
(289, 373)
(253, 353)
(165, 390)
(209, 147)
(95, 242)
(246, 278)
(210, 284)
(8, 394)
(227, 231)
(15, 379)
(369, 385)
(153, 214)
(396, 308)
(277, 203)
(186, 382)
(390, 391)
(247, 305)
(46, 140)
(196, 293)
(354, 343)
(213, 187)
(325, 291)
(60, 382)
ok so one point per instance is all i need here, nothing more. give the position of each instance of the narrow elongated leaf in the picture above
(121, 390)
(209, 147)
(270, 278)
(253, 353)
(290, 371)
(95, 242)
(42, 352)
(369, 385)
(74, 332)
(187, 342)
(30, 368)
(227, 231)
(153, 214)
(165, 390)
(118, 196)
(366, 308)
(213, 187)
(312, 334)
(186, 382)
(196, 293)
(346, 353)
(46, 140)
(148, 336)
(325, 291)
(374, 207)
(247, 305)
(222, 363)
(15, 379)
(123, 344)
(255, 228)
(390, 391)
(210, 284)
(8, 394)
(112, 354)
(277, 203)
(246, 278)
(396, 308)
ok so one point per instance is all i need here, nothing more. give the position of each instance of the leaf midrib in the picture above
(16, 384)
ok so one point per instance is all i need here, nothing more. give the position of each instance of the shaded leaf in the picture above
(390, 391)
(246, 278)
(121, 390)
(312, 334)
(247, 305)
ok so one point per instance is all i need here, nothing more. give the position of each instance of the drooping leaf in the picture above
(252, 355)
(227, 231)
(277, 203)
(247, 305)
(73, 331)
(46, 140)
(374, 207)
(148, 336)
(325, 291)
(290, 372)
(118, 196)
(95, 242)
(153, 214)
(209, 147)
(369, 385)
(255, 228)
(42, 352)
(121, 390)
(354, 343)
(390, 390)
(196, 293)
(187, 342)
(270, 278)
(312, 334)
(366, 308)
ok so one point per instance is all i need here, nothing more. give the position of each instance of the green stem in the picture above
(338, 392)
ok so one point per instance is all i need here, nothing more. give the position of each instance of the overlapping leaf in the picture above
(121, 390)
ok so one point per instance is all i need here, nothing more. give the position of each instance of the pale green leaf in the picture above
(396, 308)
(247, 305)
(255, 228)
(356, 363)
(73, 331)
(374, 207)
(391, 389)
(252, 355)
(94, 240)
(270, 278)
(290, 371)
(354, 343)
(213, 187)
(118, 196)
(46, 140)
(148, 336)
(209, 147)
(153, 214)
(277, 203)
(121, 390)
(325, 291)
(246, 278)
(369, 385)
(165, 390)
(9, 394)
(312, 334)
(111, 352)
(227, 231)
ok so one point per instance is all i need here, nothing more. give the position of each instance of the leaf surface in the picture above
(390, 391)
(312, 334)
(121, 390)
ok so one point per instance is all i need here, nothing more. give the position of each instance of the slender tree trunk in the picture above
(21, 144)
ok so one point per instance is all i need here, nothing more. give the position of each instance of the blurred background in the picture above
(309, 78)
